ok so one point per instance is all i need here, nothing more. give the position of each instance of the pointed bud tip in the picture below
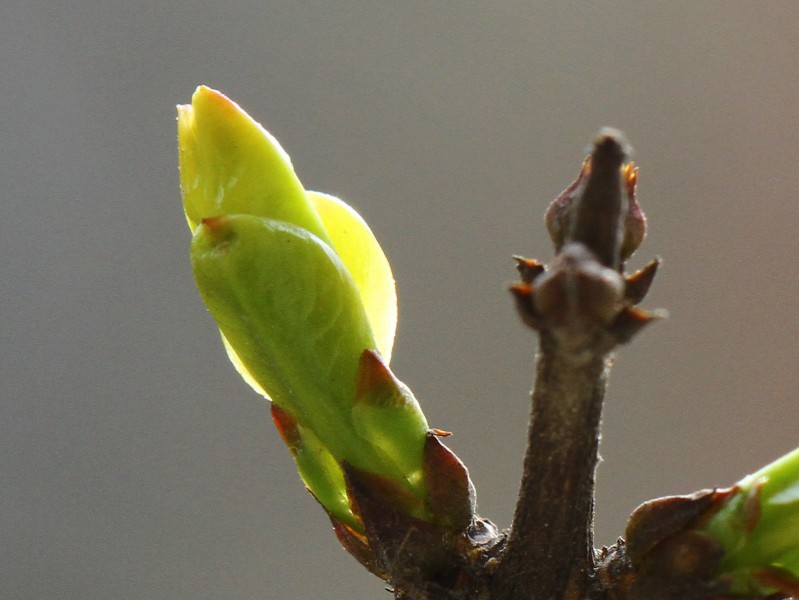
(375, 379)
(630, 177)
(636, 286)
(528, 268)
(558, 217)
(203, 93)
(211, 106)
(440, 432)
(632, 320)
(450, 491)
(612, 143)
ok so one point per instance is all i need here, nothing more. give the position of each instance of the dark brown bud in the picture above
(578, 288)
(450, 491)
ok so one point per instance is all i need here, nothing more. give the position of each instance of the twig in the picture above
(578, 306)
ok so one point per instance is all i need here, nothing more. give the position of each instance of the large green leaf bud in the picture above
(305, 301)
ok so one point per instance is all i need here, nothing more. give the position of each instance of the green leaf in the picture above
(285, 302)
(361, 253)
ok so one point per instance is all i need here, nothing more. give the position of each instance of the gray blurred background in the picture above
(133, 461)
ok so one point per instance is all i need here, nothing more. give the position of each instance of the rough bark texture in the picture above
(549, 552)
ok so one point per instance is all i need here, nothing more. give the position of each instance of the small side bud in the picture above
(631, 320)
(451, 492)
(634, 219)
(528, 268)
(636, 286)
(656, 520)
(560, 212)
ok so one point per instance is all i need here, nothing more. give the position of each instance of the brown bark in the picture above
(549, 551)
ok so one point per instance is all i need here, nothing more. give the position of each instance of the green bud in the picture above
(285, 302)
(305, 301)
(229, 164)
(368, 266)
(758, 527)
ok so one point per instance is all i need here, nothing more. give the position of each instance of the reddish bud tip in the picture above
(451, 493)
(634, 219)
(656, 520)
(216, 224)
(287, 427)
(631, 320)
(440, 432)
(528, 268)
(637, 285)
(376, 384)
(558, 217)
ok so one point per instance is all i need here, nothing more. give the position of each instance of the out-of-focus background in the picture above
(133, 461)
